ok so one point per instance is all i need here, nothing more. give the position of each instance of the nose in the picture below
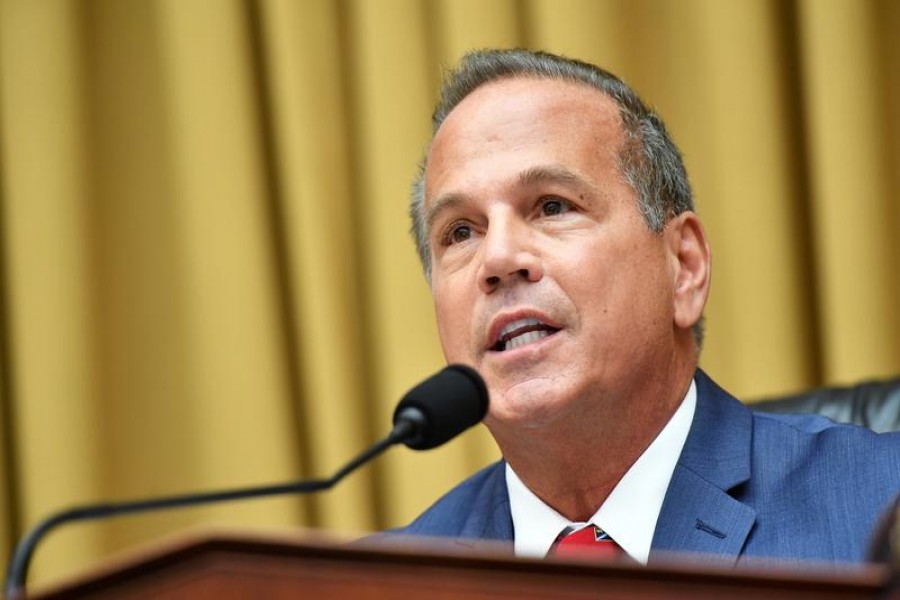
(509, 255)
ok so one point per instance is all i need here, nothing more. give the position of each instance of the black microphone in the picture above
(443, 406)
(433, 412)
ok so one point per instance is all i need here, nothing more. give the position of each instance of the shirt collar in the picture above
(629, 514)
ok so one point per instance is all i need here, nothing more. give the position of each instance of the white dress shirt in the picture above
(630, 512)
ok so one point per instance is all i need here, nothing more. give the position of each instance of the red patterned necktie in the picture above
(589, 541)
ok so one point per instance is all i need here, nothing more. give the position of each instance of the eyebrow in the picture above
(540, 174)
(550, 174)
(441, 204)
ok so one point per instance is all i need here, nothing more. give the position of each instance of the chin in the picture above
(527, 406)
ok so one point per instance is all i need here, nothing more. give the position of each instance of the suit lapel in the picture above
(700, 518)
(490, 520)
(698, 514)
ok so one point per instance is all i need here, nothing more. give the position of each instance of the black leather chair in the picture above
(872, 404)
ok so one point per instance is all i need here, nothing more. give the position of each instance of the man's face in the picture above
(545, 276)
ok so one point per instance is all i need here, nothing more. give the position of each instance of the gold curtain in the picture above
(206, 276)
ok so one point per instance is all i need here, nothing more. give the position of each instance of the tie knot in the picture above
(587, 541)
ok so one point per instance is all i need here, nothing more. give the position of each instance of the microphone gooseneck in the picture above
(425, 418)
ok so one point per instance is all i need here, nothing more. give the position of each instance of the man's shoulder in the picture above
(476, 508)
(799, 486)
(836, 443)
(731, 443)
(791, 435)
(776, 427)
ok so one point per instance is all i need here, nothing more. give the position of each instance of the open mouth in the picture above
(521, 332)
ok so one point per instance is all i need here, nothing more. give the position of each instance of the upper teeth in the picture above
(516, 325)
(521, 332)
(525, 338)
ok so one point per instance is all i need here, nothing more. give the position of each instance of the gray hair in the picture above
(649, 160)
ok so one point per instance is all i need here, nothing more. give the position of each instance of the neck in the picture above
(574, 464)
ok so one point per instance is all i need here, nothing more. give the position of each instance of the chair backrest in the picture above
(872, 404)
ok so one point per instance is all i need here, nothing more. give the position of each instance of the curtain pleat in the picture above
(46, 246)
(850, 180)
(304, 47)
(208, 276)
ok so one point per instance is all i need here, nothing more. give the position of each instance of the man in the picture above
(555, 223)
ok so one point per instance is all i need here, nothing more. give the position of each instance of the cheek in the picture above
(621, 285)
(451, 316)
(644, 297)
(594, 278)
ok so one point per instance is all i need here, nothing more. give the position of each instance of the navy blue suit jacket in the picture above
(746, 485)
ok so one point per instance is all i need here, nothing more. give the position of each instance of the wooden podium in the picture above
(225, 566)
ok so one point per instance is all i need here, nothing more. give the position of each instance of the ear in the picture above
(691, 261)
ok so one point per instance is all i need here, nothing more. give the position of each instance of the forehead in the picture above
(525, 118)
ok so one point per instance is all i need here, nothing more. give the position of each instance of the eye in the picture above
(457, 232)
(554, 206)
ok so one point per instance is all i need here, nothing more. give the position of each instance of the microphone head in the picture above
(443, 406)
